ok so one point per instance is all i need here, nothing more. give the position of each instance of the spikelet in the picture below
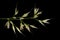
(18, 30)
(13, 27)
(36, 10)
(27, 27)
(16, 11)
(33, 26)
(21, 26)
(25, 15)
(7, 24)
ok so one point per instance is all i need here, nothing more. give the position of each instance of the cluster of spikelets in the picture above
(22, 24)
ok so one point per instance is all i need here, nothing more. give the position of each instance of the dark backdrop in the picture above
(7, 8)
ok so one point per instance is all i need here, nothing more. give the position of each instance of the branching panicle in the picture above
(22, 24)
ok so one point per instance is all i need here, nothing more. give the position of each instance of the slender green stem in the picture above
(4, 18)
(17, 18)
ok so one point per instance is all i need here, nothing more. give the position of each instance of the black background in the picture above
(7, 8)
